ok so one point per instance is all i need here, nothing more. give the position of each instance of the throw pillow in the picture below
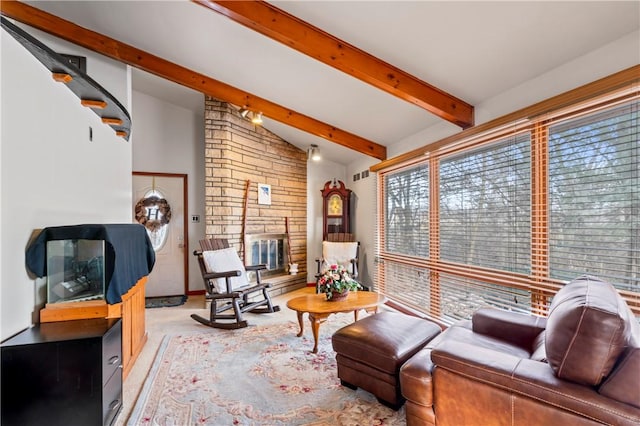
(225, 260)
(338, 254)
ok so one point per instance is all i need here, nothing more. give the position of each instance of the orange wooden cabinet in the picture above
(134, 332)
(131, 310)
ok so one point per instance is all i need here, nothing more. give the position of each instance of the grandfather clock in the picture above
(336, 216)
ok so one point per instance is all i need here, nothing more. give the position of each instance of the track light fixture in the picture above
(257, 118)
(313, 153)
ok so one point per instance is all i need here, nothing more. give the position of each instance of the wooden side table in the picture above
(319, 308)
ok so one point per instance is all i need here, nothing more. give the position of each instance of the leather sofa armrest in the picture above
(518, 329)
(415, 378)
(529, 379)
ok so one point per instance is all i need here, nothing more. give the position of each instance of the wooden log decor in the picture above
(245, 206)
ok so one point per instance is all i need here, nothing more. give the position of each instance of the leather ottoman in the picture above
(370, 352)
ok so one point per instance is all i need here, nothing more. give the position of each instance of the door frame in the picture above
(185, 201)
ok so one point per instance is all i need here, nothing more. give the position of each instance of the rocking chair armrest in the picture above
(226, 274)
(354, 264)
(259, 267)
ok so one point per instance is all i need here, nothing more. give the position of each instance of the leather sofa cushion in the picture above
(468, 336)
(520, 329)
(587, 330)
(539, 351)
(415, 374)
(623, 384)
(527, 380)
(415, 378)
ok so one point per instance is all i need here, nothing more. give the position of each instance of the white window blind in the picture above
(461, 297)
(408, 284)
(485, 206)
(406, 227)
(594, 191)
(518, 215)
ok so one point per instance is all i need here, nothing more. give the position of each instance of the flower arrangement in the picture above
(336, 279)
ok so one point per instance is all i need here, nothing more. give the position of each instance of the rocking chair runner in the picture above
(226, 283)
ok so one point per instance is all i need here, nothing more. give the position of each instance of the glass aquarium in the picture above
(75, 270)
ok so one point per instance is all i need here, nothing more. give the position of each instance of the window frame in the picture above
(536, 119)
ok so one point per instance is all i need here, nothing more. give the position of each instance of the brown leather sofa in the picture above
(578, 366)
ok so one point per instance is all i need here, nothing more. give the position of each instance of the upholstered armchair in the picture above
(338, 253)
(579, 366)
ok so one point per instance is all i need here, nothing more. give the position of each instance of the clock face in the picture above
(334, 207)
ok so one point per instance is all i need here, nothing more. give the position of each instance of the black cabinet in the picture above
(63, 373)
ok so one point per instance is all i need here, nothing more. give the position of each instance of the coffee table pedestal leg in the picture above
(316, 320)
(301, 323)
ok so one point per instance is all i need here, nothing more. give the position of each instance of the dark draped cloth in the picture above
(129, 254)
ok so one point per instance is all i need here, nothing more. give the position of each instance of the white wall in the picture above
(609, 59)
(365, 217)
(318, 173)
(617, 56)
(170, 139)
(51, 174)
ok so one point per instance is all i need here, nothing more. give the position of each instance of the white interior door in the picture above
(168, 275)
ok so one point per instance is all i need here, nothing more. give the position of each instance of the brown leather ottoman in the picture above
(371, 351)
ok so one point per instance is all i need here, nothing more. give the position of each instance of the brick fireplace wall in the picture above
(237, 151)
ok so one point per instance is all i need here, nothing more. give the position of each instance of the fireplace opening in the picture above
(268, 249)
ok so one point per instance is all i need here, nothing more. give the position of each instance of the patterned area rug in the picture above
(260, 375)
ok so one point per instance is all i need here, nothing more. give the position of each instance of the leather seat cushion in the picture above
(385, 340)
(587, 329)
(466, 335)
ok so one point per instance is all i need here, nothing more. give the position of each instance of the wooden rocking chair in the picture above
(227, 287)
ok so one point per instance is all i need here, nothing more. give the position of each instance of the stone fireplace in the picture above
(268, 249)
(238, 156)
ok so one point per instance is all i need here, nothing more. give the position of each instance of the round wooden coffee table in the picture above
(319, 308)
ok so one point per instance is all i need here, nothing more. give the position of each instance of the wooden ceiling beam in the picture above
(145, 61)
(287, 29)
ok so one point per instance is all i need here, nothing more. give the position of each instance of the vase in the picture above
(336, 296)
(293, 268)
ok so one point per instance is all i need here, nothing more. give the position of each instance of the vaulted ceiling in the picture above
(350, 76)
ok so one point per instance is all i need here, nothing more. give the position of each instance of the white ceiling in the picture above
(472, 50)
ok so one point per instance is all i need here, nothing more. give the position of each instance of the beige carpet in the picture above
(172, 320)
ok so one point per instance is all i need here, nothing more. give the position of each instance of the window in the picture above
(506, 213)
(409, 284)
(485, 206)
(407, 211)
(594, 190)
(461, 297)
